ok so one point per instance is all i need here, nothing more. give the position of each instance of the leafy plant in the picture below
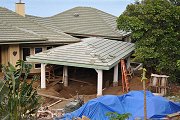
(18, 99)
(116, 116)
(155, 30)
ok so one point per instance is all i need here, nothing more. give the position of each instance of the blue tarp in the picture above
(132, 102)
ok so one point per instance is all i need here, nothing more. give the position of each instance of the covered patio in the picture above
(94, 53)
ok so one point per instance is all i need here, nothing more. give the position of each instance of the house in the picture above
(83, 37)
(21, 37)
(24, 35)
(83, 22)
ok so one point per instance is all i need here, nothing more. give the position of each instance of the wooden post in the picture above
(65, 76)
(144, 88)
(43, 75)
(99, 82)
(115, 81)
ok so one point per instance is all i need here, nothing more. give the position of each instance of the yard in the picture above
(85, 85)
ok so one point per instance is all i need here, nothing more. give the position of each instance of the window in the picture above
(37, 50)
(49, 47)
(26, 52)
(37, 65)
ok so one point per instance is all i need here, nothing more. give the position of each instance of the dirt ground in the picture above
(88, 90)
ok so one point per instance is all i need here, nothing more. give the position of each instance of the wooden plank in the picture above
(80, 81)
(50, 96)
(54, 103)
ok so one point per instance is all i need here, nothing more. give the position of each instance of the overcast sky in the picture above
(52, 7)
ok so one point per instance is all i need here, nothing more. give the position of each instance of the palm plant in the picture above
(18, 99)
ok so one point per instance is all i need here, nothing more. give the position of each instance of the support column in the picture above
(43, 75)
(115, 80)
(128, 62)
(65, 76)
(99, 82)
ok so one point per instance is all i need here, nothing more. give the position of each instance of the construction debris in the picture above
(73, 105)
(46, 113)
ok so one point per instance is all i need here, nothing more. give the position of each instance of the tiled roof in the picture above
(94, 53)
(84, 20)
(24, 24)
(13, 35)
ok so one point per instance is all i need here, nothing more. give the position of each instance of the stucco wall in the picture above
(12, 53)
(4, 54)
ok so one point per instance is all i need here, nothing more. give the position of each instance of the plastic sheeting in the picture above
(132, 102)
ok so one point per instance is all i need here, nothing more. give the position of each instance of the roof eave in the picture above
(91, 35)
(67, 63)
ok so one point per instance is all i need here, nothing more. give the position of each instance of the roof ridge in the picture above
(106, 23)
(97, 11)
(114, 29)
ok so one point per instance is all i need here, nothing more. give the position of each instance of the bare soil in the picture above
(89, 90)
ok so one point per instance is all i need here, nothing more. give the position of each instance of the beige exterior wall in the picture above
(13, 54)
(10, 53)
(32, 52)
(20, 9)
(4, 54)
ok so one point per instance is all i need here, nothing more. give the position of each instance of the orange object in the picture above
(125, 81)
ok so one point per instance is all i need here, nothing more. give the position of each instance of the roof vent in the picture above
(76, 14)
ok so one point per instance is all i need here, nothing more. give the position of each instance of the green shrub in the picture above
(116, 116)
(18, 99)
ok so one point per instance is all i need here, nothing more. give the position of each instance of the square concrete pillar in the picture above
(43, 75)
(115, 80)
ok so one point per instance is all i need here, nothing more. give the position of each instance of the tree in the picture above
(175, 2)
(178, 64)
(18, 99)
(155, 30)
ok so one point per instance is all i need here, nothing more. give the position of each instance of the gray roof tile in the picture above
(12, 35)
(94, 53)
(26, 25)
(84, 20)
